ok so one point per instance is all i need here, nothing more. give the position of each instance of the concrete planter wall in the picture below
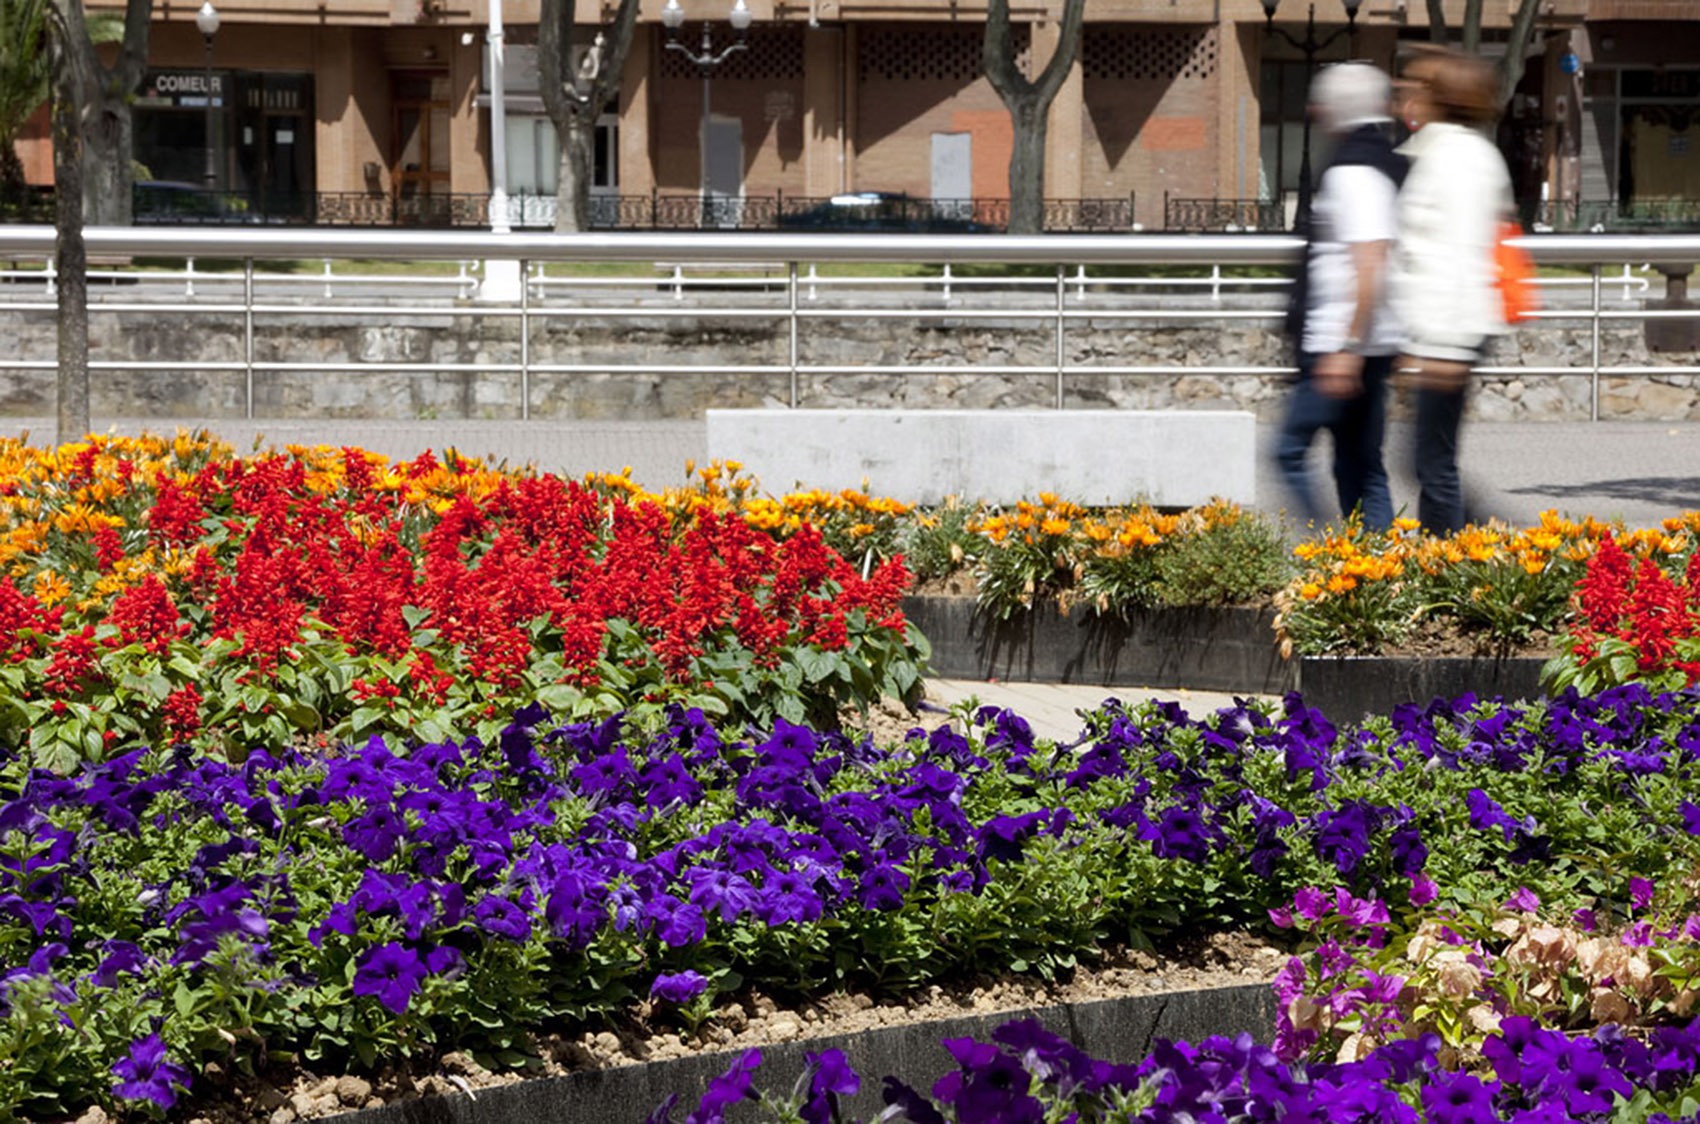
(1346, 688)
(1205, 649)
(1208, 649)
(1119, 1030)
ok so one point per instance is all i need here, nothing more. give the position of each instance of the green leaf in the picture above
(183, 998)
(415, 615)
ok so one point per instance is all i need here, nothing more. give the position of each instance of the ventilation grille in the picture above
(1131, 55)
(774, 53)
(901, 54)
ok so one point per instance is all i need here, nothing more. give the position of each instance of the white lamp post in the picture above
(501, 275)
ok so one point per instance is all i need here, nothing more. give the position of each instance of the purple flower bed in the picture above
(161, 910)
(1027, 1075)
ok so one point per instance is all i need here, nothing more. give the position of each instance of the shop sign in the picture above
(184, 89)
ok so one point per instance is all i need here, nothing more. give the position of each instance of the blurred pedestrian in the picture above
(1342, 328)
(1444, 278)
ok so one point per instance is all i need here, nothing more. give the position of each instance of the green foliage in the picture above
(1223, 563)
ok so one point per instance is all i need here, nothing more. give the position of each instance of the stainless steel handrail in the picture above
(786, 252)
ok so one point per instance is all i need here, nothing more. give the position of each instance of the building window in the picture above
(1281, 115)
(534, 156)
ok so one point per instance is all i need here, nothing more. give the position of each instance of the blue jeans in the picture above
(1357, 425)
(1440, 498)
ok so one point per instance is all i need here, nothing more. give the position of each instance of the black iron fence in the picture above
(162, 204)
(1203, 215)
(159, 204)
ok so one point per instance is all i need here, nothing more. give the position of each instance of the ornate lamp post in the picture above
(1310, 46)
(207, 21)
(501, 276)
(707, 60)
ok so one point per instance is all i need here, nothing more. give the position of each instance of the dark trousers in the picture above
(1440, 499)
(1357, 426)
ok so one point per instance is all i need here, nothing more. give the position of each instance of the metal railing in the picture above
(774, 277)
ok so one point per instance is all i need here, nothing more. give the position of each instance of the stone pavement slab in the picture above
(1052, 709)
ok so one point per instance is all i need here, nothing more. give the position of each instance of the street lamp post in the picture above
(707, 60)
(501, 280)
(1310, 46)
(207, 21)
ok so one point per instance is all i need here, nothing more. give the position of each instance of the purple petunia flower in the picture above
(392, 973)
(681, 987)
(146, 1074)
(502, 918)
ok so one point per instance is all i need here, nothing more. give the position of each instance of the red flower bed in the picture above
(177, 591)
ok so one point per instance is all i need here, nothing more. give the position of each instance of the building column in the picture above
(824, 163)
(469, 126)
(852, 70)
(1065, 131)
(1239, 57)
(336, 167)
(637, 109)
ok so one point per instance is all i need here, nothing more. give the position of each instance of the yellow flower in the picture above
(1054, 526)
(1310, 591)
(1341, 583)
(50, 588)
(1406, 524)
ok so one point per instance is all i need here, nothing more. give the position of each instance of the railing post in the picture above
(1594, 359)
(791, 279)
(947, 282)
(189, 279)
(327, 279)
(524, 341)
(248, 338)
(1062, 321)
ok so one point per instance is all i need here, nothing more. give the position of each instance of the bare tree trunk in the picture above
(1470, 37)
(572, 196)
(1517, 49)
(1029, 105)
(107, 176)
(574, 100)
(1437, 22)
(71, 263)
(1027, 167)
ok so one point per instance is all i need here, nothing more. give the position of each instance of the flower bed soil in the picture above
(1217, 986)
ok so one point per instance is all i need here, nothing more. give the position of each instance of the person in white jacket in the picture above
(1444, 283)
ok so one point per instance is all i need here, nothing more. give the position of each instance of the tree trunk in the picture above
(1470, 38)
(1029, 105)
(107, 176)
(1437, 22)
(572, 185)
(574, 101)
(1517, 49)
(71, 263)
(1027, 168)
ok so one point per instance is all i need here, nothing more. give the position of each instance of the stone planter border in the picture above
(1203, 649)
(1347, 688)
(1120, 1030)
(1207, 649)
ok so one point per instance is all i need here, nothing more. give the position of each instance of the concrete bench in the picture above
(1172, 458)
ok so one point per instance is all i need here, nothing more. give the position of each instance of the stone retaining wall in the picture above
(464, 339)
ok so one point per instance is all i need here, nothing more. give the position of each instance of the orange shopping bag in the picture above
(1514, 273)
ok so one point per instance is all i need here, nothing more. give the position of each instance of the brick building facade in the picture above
(1169, 99)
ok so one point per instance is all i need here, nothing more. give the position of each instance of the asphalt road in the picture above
(1637, 471)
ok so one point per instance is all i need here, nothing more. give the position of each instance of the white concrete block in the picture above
(1169, 457)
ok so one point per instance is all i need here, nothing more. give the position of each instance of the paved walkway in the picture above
(1052, 709)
